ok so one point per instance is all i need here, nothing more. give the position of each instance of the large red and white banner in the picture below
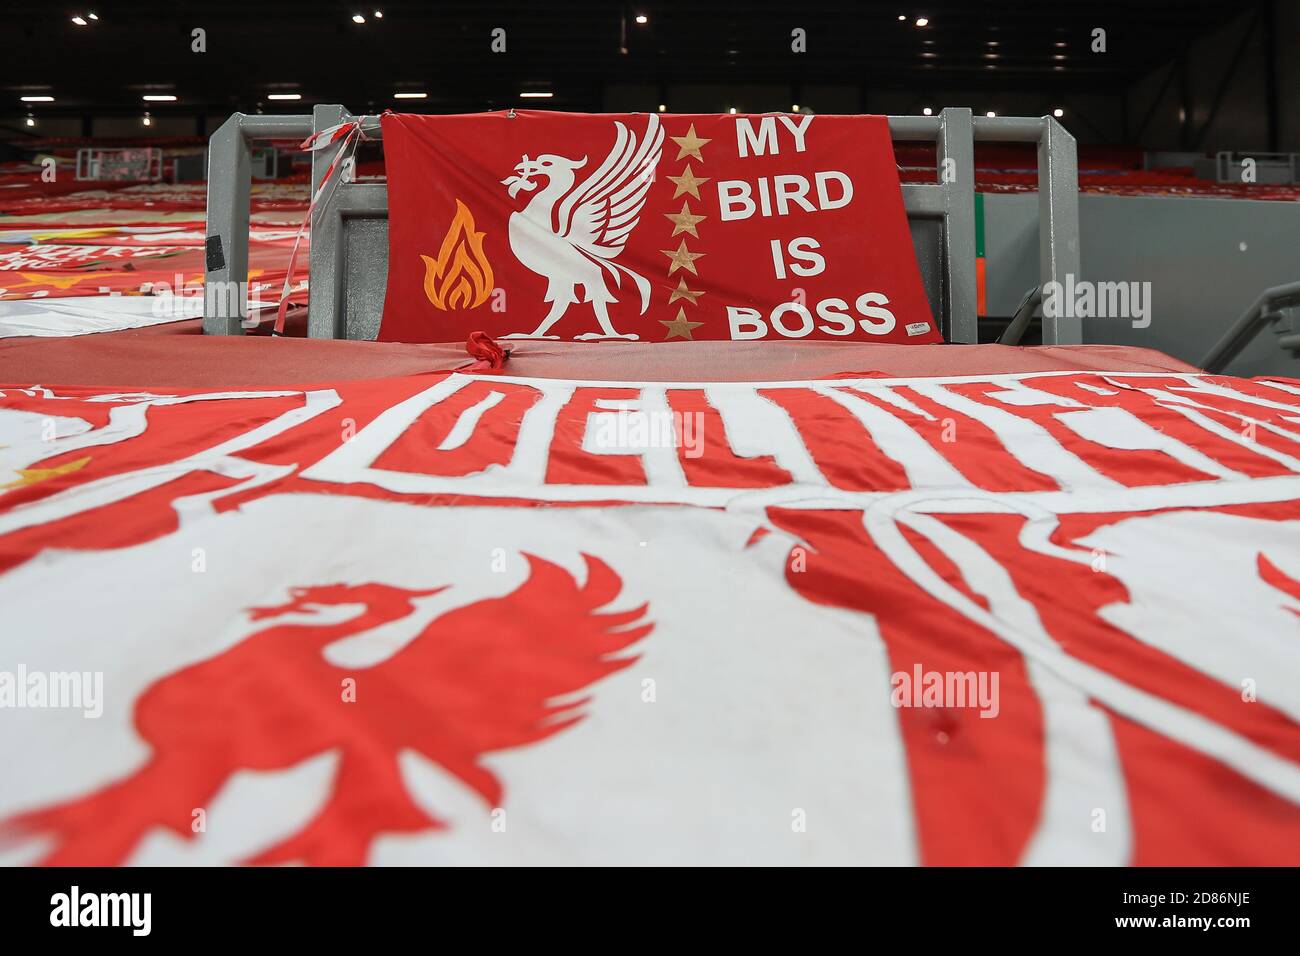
(653, 227)
(987, 619)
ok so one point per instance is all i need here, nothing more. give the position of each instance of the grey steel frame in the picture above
(336, 254)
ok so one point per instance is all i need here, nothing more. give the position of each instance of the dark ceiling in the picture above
(576, 50)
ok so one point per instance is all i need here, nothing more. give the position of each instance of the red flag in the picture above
(970, 619)
(640, 226)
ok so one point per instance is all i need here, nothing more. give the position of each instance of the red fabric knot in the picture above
(490, 356)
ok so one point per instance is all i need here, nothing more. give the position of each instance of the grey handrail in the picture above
(1015, 330)
(1264, 309)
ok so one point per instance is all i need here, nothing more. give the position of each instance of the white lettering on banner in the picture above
(824, 199)
(924, 466)
(780, 194)
(752, 426)
(835, 311)
(636, 420)
(869, 304)
(746, 323)
(801, 249)
(791, 189)
(733, 194)
(805, 320)
(1035, 446)
(773, 421)
(765, 139)
(757, 427)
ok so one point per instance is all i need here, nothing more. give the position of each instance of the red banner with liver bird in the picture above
(650, 227)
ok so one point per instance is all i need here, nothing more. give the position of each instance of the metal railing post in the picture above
(225, 285)
(325, 312)
(1058, 224)
(956, 152)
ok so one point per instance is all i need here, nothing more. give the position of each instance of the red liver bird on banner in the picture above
(478, 679)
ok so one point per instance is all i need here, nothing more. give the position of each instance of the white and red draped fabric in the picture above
(534, 224)
(112, 258)
(453, 618)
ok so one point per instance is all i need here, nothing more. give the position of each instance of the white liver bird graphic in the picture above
(570, 235)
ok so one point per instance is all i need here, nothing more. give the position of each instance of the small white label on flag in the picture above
(918, 328)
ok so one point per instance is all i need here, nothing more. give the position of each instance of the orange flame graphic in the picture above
(461, 276)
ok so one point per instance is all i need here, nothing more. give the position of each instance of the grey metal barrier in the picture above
(349, 235)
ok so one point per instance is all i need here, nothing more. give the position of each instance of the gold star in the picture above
(679, 328)
(683, 221)
(682, 258)
(30, 476)
(688, 182)
(690, 144)
(682, 292)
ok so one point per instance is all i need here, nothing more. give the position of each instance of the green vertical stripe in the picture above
(979, 225)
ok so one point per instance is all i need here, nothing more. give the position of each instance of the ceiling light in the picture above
(410, 96)
(922, 22)
(79, 21)
(993, 42)
(731, 110)
(902, 17)
(379, 14)
(1058, 112)
(147, 120)
(990, 56)
(31, 120)
(927, 111)
(284, 96)
(159, 98)
(537, 95)
(642, 19)
(358, 18)
(1060, 43)
(37, 99)
(663, 107)
(92, 16)
(794, 108)
(990, 114)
